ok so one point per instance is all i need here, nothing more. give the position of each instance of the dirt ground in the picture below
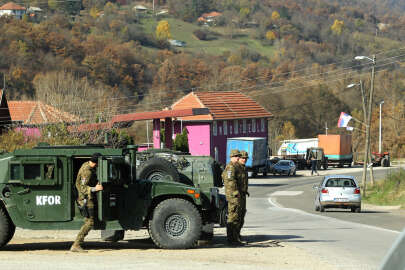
(49, 250)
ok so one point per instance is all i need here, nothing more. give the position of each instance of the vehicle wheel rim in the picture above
(176, 225)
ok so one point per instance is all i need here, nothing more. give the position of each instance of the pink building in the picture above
(231, 114)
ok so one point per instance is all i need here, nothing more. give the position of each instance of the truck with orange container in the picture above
(337, 148)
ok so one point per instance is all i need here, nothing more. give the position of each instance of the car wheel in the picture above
(176, 224)
(352, 209)
(316, 208)
(7, 228)
(321, 208)
(358, 210)
(295, 172)
(289, 173)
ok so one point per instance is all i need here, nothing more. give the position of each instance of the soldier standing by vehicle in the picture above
(87, 186)
(314, 163)
(244, 188)
(232, 182)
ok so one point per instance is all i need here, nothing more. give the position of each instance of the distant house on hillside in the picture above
(231, 114)
(209, 18)
(11, 9)
(140, 8)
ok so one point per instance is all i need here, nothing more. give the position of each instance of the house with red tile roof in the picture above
(12, 9)
(210, 17)
(231, 114)
(31, 113)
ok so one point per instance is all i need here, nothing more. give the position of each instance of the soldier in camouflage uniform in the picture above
(232, 183)
(244, 188)
(87, 186)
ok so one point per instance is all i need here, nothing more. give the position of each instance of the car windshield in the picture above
(284, 163)
(340, 182)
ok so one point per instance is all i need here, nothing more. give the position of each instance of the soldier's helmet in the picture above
(235, 153)
(244, 154)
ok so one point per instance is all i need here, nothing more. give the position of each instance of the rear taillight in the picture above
(357, 191)
(324, 190)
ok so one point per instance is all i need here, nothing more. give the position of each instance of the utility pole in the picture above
(368, 123)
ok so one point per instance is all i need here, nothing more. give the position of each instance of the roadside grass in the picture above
(183, 31)
(390, 191)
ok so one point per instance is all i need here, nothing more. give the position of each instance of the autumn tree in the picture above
(337, 27)
(163, 30)
(275, 16)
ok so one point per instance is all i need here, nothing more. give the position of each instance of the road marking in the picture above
(286, 193)
(277, 205)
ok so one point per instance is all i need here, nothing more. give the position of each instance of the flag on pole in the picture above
(344, 119)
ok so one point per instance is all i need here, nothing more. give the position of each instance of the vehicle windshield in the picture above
(284, 163)
(340, 182)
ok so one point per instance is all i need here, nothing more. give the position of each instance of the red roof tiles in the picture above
(222, 105)
(11, 6)
(36, 112)
(159, 114)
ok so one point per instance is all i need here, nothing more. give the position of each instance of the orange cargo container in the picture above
(337, 148)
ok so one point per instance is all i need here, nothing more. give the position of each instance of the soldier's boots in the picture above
(77, 248)
(232, 233)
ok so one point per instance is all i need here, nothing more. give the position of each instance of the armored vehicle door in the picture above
(39, 186)
(111, 173)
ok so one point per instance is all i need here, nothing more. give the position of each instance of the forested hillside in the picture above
(97, 58)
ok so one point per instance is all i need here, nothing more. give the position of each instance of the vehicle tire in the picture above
(321, 208)
(7, 228)
(158, 169)
(176, 224)
(264, 174)
(316, 208)
(358, 210)
(289, 173)
(385, 162)
(353, 209)
(295, 172)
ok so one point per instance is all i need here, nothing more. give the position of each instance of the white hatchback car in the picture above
(338, 191)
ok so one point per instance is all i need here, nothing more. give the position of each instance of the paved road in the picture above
(346, 240)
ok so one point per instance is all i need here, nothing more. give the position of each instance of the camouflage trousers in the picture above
(234, 219)
(243, 213)
(85, 229)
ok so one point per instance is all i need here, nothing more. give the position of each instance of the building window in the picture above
(262, 120)
(253, 125)
(225, 125)
(214, 128)
(244, 125)
(235, 124)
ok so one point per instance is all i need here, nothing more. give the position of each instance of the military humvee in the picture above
(172, 198)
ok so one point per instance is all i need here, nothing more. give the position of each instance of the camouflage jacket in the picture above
(86, 179)
(245, 181)
(232, 181)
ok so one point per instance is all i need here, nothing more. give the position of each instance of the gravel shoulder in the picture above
(49, 250)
